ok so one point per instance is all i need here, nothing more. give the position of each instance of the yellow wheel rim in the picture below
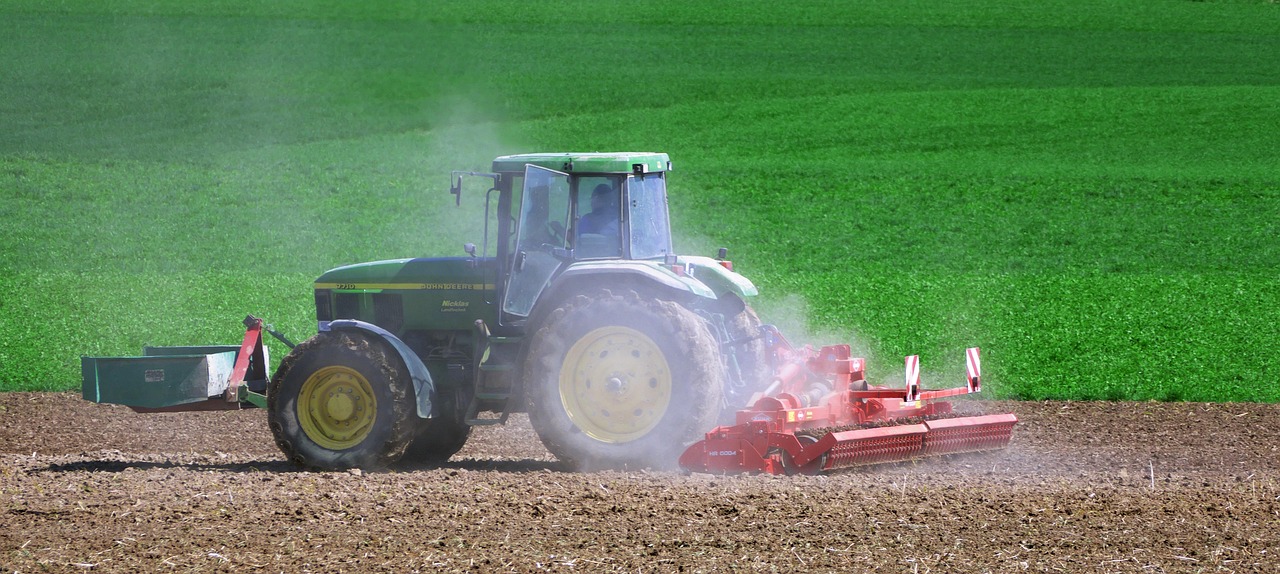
(615, 384)
(336, 407)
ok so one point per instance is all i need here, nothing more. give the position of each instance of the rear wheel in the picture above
(617, 381)
(341, 400)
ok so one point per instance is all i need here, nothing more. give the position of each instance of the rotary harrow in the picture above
(819, 414)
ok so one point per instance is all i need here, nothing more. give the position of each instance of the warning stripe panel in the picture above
(974, 364)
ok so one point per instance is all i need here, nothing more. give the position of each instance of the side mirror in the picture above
(455, 187)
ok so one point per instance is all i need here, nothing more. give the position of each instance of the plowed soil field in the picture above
(1096, 487)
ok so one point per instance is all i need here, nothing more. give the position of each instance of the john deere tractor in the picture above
(575, 309)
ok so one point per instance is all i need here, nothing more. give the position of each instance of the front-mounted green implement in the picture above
(575, 309)
(165, 379)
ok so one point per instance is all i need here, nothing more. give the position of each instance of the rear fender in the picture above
(647, 278)
(630, 274)
(424, 388)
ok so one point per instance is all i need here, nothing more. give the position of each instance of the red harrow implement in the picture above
(819, 414)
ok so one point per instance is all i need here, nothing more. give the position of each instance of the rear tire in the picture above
(341, 400)
(620, 381)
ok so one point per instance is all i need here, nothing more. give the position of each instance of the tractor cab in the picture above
(568, 210)
(591, 206)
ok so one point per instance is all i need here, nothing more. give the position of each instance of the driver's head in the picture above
(602, 197)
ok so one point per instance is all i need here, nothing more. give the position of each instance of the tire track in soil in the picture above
(1105, 487)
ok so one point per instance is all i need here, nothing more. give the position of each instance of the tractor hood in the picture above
(438, 273)
(402, 295)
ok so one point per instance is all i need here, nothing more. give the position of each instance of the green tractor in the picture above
(575, 309)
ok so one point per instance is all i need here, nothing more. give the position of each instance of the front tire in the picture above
(341, 400)
(754, 368)
(436, 439)
(620, 381)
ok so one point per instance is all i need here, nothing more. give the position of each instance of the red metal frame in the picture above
(251, 347)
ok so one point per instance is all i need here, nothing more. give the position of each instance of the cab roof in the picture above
(595, 162)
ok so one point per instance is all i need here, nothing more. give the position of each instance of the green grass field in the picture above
(1088, 190)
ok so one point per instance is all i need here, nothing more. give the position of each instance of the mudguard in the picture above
(631, 269)
(700, 276)
(716, 277)
(423, 386)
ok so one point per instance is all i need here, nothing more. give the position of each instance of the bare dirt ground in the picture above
(1097, 487)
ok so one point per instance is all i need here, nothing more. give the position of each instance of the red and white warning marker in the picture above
(974, 362)
(913, 379)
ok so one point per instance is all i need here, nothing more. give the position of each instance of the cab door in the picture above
(540, 238)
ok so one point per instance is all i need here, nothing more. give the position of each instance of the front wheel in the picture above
(619, 381)
(341, 400)
(437, 439)
(751, 355)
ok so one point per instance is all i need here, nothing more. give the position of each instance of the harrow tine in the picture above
(875, 446)
(899, 443)
(969, 434)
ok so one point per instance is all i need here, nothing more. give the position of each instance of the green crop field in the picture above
(1089, 189)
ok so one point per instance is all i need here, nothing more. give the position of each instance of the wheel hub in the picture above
(615, 384)
(341, 406)
(337, 407)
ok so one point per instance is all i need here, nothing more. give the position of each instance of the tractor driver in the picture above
(603, 218)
